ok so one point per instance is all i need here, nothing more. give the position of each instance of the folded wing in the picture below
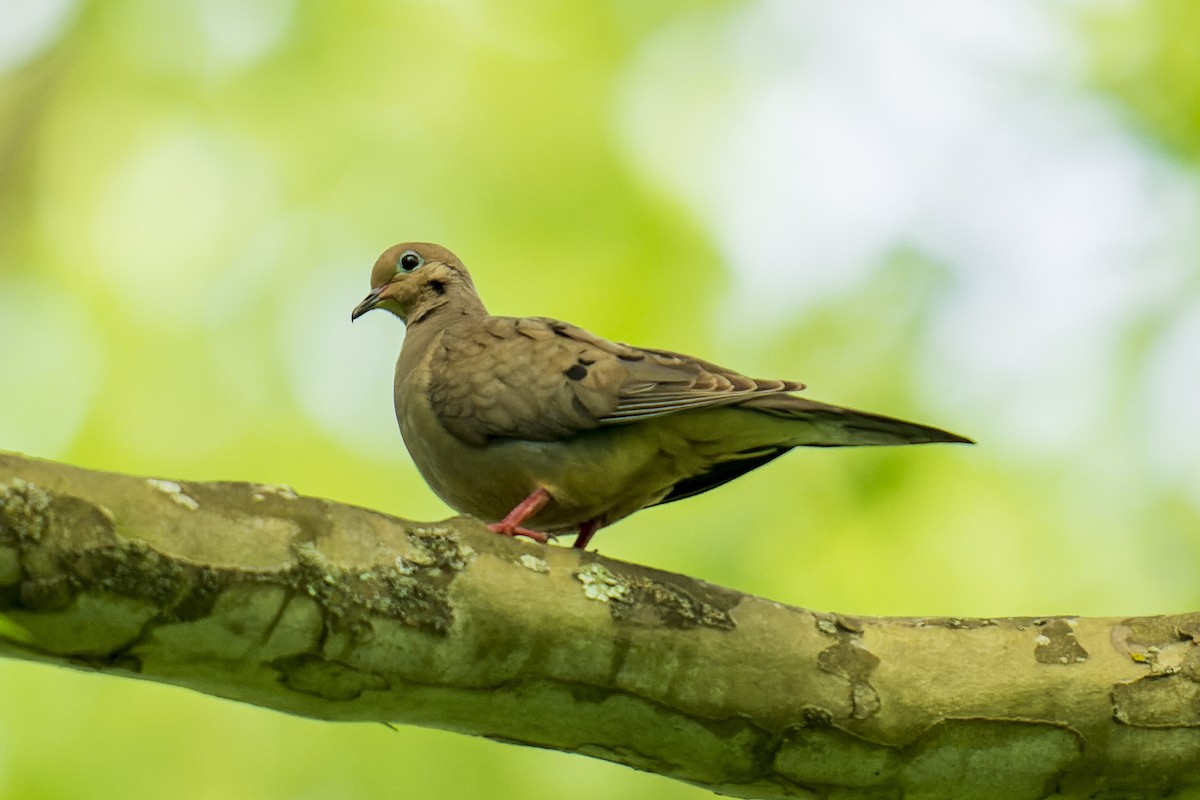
(541, 379)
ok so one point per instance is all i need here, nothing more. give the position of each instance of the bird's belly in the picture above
(602, 474)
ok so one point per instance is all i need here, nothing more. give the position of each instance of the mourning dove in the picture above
(539, 427)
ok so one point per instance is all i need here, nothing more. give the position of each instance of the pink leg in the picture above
(586, 531)
(511, 524)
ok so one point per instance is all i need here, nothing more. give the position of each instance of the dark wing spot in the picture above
(587, 362)
(577, 372)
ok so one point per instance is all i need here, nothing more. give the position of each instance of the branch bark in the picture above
(324, 610)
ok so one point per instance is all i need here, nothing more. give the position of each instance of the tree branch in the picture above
(325, 610)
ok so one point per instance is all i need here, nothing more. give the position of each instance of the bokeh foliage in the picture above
(191, 196)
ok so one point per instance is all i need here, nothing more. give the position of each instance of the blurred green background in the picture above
(979, 216)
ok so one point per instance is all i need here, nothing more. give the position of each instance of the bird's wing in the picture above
(541, 379)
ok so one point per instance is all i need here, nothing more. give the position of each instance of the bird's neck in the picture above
(426, 321)
(436, 311)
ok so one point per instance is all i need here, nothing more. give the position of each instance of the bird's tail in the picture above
(834, 426)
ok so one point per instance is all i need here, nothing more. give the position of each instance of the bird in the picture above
(539, 428)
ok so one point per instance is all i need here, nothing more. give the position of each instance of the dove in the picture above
(539, 428)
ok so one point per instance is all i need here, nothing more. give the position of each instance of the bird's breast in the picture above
(606, 473)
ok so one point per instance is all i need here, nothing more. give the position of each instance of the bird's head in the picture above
(414, 279)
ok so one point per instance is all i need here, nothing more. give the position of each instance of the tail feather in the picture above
(834, 426)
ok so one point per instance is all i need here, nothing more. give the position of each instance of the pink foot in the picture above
(511, 524)
(586, 531)
(514, 530)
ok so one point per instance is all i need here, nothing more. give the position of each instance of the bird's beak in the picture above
(369, 302)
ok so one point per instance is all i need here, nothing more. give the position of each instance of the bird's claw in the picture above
(516, 530)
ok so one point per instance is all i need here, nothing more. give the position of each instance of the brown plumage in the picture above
(537, 426)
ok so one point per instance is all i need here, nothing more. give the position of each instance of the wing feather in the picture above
(541, 379)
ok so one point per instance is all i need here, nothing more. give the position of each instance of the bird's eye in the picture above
(409, 261)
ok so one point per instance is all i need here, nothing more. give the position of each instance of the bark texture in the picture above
(315, 608)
